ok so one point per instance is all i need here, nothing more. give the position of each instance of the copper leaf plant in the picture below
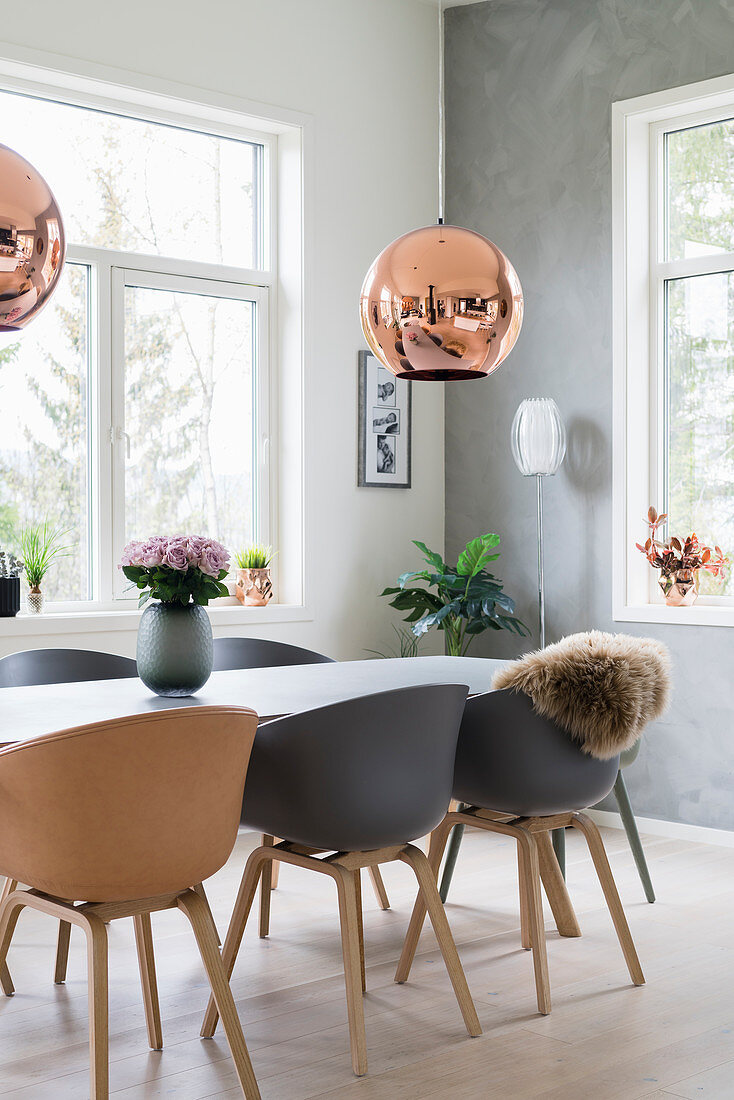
(462, 600)
(680, 555)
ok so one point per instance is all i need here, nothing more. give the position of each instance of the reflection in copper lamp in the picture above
(441, 303)
(32, 246)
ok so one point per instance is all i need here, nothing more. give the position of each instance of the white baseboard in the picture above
(676, 830)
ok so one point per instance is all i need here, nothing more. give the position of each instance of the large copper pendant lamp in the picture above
(32, 246)
(441, 303)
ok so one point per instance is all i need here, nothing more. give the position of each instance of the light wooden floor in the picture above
(605, 1039)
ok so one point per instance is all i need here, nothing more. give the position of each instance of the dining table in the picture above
(29, 712)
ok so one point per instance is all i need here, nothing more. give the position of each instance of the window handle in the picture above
(117, 435)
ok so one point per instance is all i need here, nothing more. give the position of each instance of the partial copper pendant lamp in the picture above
(441, 303)
(32, 246)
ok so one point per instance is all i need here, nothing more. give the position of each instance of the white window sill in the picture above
(700, 614)
(86, 621)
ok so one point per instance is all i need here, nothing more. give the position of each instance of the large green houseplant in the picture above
(462, 600)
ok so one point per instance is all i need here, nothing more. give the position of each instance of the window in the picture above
(673, 193)
(138, 402)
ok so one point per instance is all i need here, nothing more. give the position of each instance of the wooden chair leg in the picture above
(523, 892)
(349, 920)
(8, 886)
(199, 889)
(429, 891)
(146, 962)
(8, 919)
(379, 887)
(62, 952)
(99, 1056)
(555, 887)
(266, 887)
(531, 870)
(436, 847)
(360, 926)
(606, 880)
(633, 836)
(205, 933)
(245, 897)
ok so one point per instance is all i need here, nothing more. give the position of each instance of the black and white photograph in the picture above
(384, 426)
(385, 455)
(385, 387)
(386, 421)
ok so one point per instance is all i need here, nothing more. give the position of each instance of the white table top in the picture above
(28, 712)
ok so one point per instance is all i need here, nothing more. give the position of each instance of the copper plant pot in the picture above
(681, 588)
(254, 587)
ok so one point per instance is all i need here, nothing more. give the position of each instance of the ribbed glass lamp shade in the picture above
(538, 437)
(440, 304)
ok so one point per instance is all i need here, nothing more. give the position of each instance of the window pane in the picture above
(139, 186)
(700, 190)
(44, 379)
(189, 370)
(700, 413)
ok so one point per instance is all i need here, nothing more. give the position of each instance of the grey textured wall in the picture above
(529, 89)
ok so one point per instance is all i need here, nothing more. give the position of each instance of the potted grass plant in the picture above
(40, 546)
(254, 586)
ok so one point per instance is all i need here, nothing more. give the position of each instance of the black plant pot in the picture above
(9, 596)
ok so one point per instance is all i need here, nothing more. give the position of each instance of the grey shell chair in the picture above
(232, 653)
(32, 667)
(520, 775)
(361, 779)
(63, 666)
(628, 821)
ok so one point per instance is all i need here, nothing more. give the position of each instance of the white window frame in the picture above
(640, 271)
(281, 327)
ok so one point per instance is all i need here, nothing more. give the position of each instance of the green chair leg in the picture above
(452, 854)
(559, 847)
(630, 827)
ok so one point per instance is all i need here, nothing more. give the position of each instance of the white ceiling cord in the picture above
(441, 119)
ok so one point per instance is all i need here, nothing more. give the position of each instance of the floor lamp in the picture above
(538, 441)
(538, 445)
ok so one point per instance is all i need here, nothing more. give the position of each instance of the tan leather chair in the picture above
(119, 819)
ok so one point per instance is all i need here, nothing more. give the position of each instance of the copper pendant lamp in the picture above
(32, 245)
(441, 303)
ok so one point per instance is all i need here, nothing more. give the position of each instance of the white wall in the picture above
(366, 71)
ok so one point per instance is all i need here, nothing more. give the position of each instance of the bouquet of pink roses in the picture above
(176, 570)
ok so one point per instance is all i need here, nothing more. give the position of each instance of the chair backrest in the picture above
(231, 653)
(360, 774)
(129, 808)
(62, 666)
(510, 759)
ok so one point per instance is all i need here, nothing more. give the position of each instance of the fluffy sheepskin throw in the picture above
(602, 689)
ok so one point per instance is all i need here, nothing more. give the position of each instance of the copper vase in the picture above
(254, 587)
(680, 588)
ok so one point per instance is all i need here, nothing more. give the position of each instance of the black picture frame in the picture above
(393, 446)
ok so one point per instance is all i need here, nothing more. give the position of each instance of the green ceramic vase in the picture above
(175, 648)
